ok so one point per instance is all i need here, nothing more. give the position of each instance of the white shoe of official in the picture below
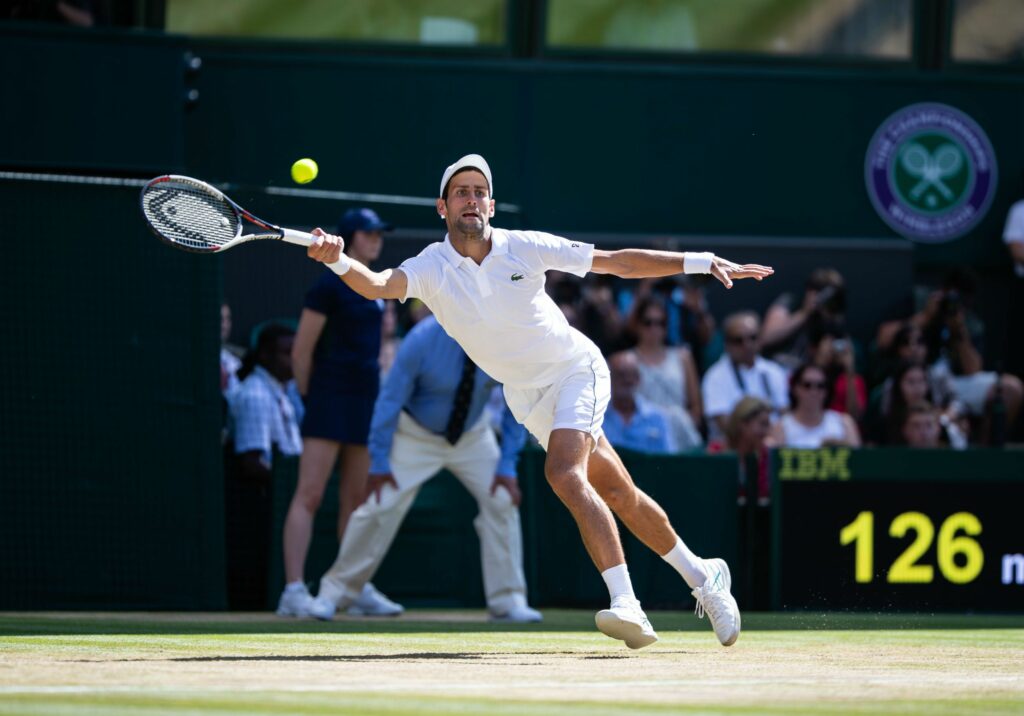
(713, 598)
(371, 603)
(626, 621)
(294, 602)
(518, 612)
(322, 608)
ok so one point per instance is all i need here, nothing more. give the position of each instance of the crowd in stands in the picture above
(681, 382)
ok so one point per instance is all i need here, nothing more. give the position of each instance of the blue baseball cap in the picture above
(363, 219)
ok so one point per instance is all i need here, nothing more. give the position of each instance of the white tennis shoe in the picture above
(322, 608)
(294, 602)
(371, 603)
(517, 612)
(625, 620)
(713, 598)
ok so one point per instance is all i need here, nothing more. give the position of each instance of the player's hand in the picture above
(509, 483)
(377, 482)
(327, 247)
(727, 272)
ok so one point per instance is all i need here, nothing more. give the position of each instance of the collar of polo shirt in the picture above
(499, 246)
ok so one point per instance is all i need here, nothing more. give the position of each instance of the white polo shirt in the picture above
(498, 311)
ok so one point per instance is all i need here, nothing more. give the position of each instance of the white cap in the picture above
(470, 161)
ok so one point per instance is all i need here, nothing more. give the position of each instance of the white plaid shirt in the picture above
(262, 416)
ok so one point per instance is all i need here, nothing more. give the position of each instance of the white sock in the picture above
(617, 579)
(687, 564)
(297, 586)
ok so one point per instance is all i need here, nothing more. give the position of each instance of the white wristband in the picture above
(697, 262)
(341, 266)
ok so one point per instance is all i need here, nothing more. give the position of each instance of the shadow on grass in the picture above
(440, 621)
(404, 656)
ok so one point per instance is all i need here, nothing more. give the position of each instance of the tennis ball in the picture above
(304, 171)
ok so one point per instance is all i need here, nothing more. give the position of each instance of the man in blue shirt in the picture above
(631, 422)
(430, 416)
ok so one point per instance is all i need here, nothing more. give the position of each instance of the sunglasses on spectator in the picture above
(651, 322)
(748, 338)
(812, 385)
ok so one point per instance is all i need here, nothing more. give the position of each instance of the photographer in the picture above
(952, 336)
(788, 329)
(832, 351)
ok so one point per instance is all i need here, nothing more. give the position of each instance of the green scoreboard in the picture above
(894, 529)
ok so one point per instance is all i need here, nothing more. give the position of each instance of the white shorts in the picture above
(576, 400)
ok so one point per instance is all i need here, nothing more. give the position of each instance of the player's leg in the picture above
(708, 578)
(566, 471)
(318, 456)
(473, 460)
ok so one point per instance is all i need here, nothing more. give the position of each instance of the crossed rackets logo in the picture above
(931, 168)
(930, 172)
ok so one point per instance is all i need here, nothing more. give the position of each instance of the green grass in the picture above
(454, 663)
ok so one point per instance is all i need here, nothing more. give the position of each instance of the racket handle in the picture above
(297, 237)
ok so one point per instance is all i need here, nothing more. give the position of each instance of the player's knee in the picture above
(619, 498)
(565, 479)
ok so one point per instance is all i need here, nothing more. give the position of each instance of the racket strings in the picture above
(190, 216)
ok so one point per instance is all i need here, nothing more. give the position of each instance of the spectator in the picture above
(741, 371)
(430, 415)
(337, 371)
(690, 323)
(262, 416)
(788, 327)
(908, 386)
(598, 314)
(668, 376)
(229, 354)
(921, 426)
(953, 336)
(832, 351)
(809, 423)
(631, 422)
(1013, 236)
(261, 420)
(747, 432)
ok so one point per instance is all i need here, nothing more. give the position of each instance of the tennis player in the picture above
(485, 285)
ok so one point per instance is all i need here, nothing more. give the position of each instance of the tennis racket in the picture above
(191, 215)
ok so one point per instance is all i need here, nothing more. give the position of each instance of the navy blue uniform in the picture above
(346, 373)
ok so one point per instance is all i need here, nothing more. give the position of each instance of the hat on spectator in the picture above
(363, 219)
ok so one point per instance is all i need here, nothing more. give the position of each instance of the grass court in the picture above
(446, 662)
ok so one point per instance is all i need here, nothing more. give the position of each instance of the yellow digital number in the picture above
(950, 546)
(905, 569)
(861, 531)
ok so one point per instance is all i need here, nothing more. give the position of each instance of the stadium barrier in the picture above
(435, 559)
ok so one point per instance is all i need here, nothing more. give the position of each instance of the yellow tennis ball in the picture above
(304, 171)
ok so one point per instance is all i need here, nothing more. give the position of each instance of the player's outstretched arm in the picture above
(369, 284)
(649, 263)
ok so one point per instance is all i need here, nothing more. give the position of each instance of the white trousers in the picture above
(416, 456)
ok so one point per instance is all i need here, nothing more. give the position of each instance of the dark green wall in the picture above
(678, 149)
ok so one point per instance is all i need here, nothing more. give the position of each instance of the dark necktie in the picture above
(460, 405)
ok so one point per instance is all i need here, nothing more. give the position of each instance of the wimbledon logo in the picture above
(930, 172)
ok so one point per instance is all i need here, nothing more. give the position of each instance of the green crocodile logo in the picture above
(517, 277)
